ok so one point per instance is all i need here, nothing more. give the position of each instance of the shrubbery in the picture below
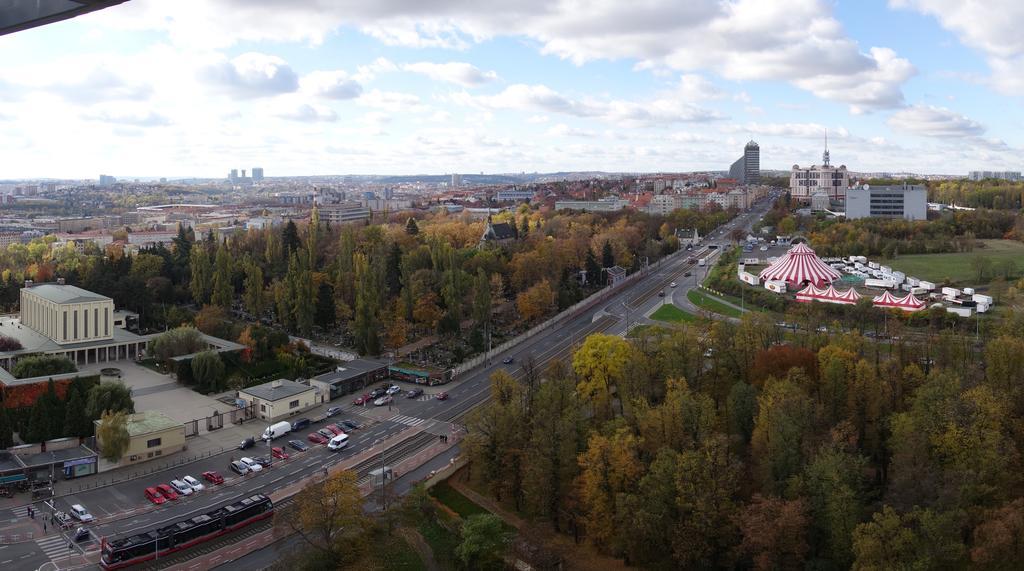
(42, 365)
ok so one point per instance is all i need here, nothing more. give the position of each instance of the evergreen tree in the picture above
(607, 256)
(482, 298)
(393, 275)
(524, 227)
(325, 315)
(365, 325)
(411, 228)
(594, 273)
(202, 275)
(6, 429)
(76, 421)
(223, 293)
(313, 239)
(252, 295)
(290, 238)
(305, 297)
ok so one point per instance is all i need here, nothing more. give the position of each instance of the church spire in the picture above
(824, 156)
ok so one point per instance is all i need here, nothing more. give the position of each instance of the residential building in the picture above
(664, 204)
(907, 201)
(107, 180)
(456, 179)
(257, 174)
(279, 399)
(79, 224)
(688, 236)
(833, 181)
(602, 205)
(513, 195)
(747, 169)
(151, 435)
(344, 213)
(8, 238)
(1002, 175)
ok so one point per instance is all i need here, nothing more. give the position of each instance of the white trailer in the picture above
(900, 277)
(982, 308)
(777, 286)
(914, 282)
(878, 283)
(926, 285)
(918, 290)
(749, 278)
(950, 292)
(981, 298)
(873, 265)
(968, 291)
(885, 269)
(961, 311)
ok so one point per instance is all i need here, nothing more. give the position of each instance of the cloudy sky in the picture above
(196, 87)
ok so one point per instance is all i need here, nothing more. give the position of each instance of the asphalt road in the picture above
(122, 509)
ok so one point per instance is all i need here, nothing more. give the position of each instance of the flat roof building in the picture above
(907, 201)
(279, 399)
(152, 434)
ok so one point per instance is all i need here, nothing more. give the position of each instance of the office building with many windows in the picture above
(907, 201)
(747, 169)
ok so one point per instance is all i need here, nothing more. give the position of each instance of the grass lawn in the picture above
(441, 541)
(673, 314)
(399, 555)
(705, 301)
(957, 266)
(459, 503)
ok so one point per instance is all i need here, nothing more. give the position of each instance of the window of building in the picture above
(85, 322)
(153, 443)
(106, 321)
(158, 452)
(294, 404)
(149, 454)
(96, 322)
(263, 408)
(74, 322)
(133, 457)
(64, 336)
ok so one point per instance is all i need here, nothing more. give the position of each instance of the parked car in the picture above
(661, 293)
(333, 411)
(213, 477)
(508, 361)
(81, 534)
(328, 434)
(687, 274)
(377, 393)
(239, 468)
(166, 490)
(393, 390)
(79, 512)
(299, 424)
(441, 396)
(335, 429)
(193, 483)
(316, 438)
(154, 495)
(298, 445)
(279, 453)
(384, 400)
(264, 461)
(413, 393)
(673, 284)
(247, 443)
(361, 399)
(181, 488)
(350, 424)
(253, 465)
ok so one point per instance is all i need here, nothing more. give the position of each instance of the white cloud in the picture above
(797, 41)
(331, 85)
(251, 74)
(934, 122)
(563, 130)
(306, 113)
(460, 73)
(792, 130)
(537, 119)
(391, 101)
(134, 118)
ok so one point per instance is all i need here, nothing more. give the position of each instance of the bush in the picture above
(9, 343)
(42, 365)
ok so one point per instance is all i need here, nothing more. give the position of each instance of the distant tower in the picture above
(257, 174)
(243, 173)
(456, 179)
(824, 156)
(751, 163)
(233, 176)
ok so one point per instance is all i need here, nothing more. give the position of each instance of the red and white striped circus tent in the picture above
(811, 293)
(828, 295)
(905, 303)
(850, 296)
(800, 265)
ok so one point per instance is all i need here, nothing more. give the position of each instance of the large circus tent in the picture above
(800, 266)
(905, 303)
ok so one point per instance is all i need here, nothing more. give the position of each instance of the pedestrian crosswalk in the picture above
(21, 511)
(54, 546)
(407, 420)
(425, 398)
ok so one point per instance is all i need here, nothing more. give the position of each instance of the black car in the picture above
(377, 393)
(333, 410)
(350, 424)
(508, 360)
(81, 534)
(413, 393)
(300, 423)
(298, 445)
(264, 461)
(247, 443)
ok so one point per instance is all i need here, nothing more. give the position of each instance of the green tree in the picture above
(253, 296)
(176, 342)
(223, 292)
(76, 418)
(208, 370)
(366, 326)
(325, 310)
(201, 282)
(484, 542)
(112, 435)
(706, 483)
(607, 256)
(329, 518)
(111, 396)
(290, 238)
(647, 515)
(482, 299)
(610, 466)
(920, 539)
(6, 429)
(594, 274)
(742, 406)
(411, 228)
(783, 424)
(42, 365)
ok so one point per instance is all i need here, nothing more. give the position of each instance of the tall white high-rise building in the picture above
(456, 179)
(257, 174)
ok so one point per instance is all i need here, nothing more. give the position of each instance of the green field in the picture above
(705, 301)
(957, 266)
(459, 503)
(673, 314)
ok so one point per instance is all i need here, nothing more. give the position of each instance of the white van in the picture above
(277, 430)
(338, 442)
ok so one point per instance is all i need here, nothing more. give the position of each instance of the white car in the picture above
(251, 464)
(673, 284)
(181, 487)
(386, 399)
(393, 389)
(193, 483)
(79, 512)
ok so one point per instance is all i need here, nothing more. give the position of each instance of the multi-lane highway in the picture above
(122, 509)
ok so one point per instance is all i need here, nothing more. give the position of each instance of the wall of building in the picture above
(276, 410)
(67, 322)
(154, 445)
(907, 202)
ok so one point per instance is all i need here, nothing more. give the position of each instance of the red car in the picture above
(337, 431)
(441, 396)
(278, 453)
(154, 495)
(316, 438)
(361, 400)
(167, 491)
(213, 477)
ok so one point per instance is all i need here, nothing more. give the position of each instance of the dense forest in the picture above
(733, 445)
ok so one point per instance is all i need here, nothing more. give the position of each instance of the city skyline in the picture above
(187, 89)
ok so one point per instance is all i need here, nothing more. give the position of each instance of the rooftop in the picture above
(34, 342)
(149, 421)
(276, 390)
(60, 293)
(351, 369)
